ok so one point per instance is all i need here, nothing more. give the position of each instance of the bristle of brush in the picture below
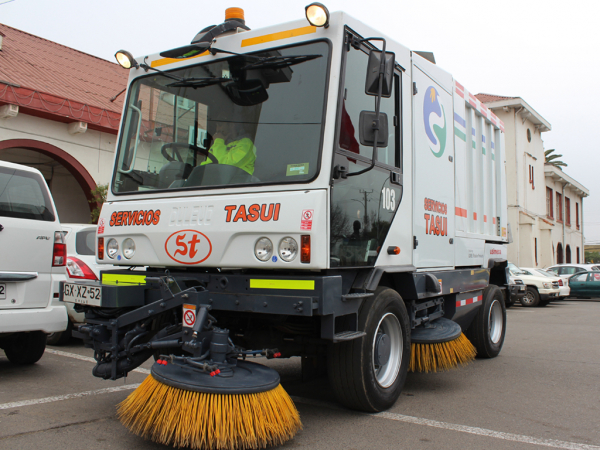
(180, 418)
(441, 356)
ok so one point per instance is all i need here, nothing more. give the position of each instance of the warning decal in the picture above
(189, 315)
(307, 218)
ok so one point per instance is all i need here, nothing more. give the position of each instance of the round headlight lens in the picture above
(317, 15)
(288, 249)
(112, 248)
(263, 249)
(128, 248)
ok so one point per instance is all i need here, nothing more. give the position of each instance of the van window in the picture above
(24, 195)
(85, 241)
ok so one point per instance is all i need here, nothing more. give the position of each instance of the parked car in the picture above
(81, 265)
(563, 285)
(32, 264)
(540, 289)
(586, 284)
(570, 269)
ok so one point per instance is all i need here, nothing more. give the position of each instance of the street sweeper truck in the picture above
(309, 189)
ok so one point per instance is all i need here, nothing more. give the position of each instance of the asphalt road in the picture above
(543, 391)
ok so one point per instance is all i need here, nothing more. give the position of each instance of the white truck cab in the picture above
(32, 264)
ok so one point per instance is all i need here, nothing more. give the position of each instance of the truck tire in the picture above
(488, 329)
(531, 298)
(25, 348)
(62, 337)
(368, 373)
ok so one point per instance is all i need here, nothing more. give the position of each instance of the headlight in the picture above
(288, 249)
(112, 247)
(128, 248)
(547, 285)
(263, 249)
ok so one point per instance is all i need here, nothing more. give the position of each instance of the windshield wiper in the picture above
(278, 62)
(198, 82)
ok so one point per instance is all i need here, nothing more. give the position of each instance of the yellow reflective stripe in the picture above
(306, 285)
(277, 36)
(117, 278)
(165, 61)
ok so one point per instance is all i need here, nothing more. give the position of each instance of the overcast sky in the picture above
(546, 52)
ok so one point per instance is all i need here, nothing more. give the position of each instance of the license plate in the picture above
(2, 291)
(82, 294)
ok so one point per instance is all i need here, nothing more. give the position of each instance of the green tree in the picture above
(553, 159)
(592, 257)
(98, 198)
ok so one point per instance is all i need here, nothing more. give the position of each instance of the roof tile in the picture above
(42, 65)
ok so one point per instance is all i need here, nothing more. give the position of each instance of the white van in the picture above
(32, 264)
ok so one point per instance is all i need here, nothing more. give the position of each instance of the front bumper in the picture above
(51, 319)
(517, 291)
(276, 295)
(547, 294)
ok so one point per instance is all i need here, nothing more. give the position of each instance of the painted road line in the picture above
(88, 359)
(553, 443)
(59, 398)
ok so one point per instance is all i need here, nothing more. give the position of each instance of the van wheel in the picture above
(531, 298)
(25, 348)
(62, 337)
(488, 329)
(368, 373)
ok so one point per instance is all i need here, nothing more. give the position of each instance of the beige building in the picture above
(564, 209)
(540, 235)
(59, 112)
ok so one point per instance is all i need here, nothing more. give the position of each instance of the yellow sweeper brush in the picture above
(212, 400)
(439, 346)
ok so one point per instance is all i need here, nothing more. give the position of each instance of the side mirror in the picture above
(372, 82)
(367, 125)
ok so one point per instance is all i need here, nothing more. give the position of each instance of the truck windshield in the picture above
(241, 120)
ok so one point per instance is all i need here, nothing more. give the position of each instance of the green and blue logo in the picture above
(434, 119)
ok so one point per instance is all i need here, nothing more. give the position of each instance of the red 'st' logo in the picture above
(188, 247)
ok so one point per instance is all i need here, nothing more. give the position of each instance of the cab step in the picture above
(356, 296)
(348, 336)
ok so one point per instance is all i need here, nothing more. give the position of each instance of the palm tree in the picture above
(552, 159)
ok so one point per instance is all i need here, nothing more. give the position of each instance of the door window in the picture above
(579, 278)
(355, 100)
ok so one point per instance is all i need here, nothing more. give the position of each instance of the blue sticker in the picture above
(119, 257)
(274, 259)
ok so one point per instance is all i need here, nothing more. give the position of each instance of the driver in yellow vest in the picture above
(232, 147)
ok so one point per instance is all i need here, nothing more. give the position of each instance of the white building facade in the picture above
(539, 239)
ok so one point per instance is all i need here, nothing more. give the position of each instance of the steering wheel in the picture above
(176, 156)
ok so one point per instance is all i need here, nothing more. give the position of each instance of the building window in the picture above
(559, 254)
(568, 211)
(549, 204)
(568, 252)
(531, 176)
(577, 255)
(559, 215)
(577, 216)
(528, 135)
(536, 262)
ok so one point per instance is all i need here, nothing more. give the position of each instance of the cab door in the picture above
(363, 206)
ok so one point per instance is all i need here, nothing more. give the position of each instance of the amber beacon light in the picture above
(317, 15)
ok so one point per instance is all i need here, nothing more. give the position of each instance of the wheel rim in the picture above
(528, 298)
(495, 322)
(387, 350)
